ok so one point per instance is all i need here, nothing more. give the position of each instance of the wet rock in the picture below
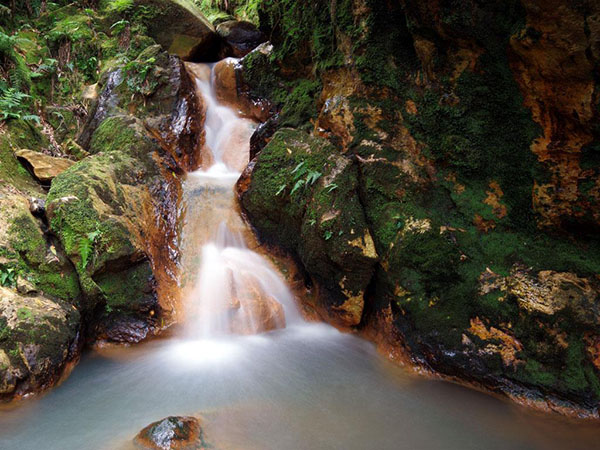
(174, 432)
(44, 167)
(225, 82)
(252, 311)
(262, 135)
(302, 195)
(231, 91)
(38, 338)
(240, 37)
(104, 210)
(188, 35)
(256, 82)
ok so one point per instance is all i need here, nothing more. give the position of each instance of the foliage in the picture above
(8, 276)
(138, 79)
(19, 74)
(86, 247)
(13, 105)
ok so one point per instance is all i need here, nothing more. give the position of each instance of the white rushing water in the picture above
(236, 290)
(302, 387)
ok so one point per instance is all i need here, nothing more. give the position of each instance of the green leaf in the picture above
(297, 186)
(281, 189)
(312, 177)
(328, 235)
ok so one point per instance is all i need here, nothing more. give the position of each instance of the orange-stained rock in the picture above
(173, 433)
(508, 346)
(225, 81)
(555, 61)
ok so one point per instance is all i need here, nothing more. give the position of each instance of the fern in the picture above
(86, 247)
(12, 104)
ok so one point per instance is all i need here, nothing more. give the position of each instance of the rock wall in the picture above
(90, 209)
(472, 129)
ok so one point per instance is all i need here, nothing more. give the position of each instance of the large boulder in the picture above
(302, 195)
(181, 29)
(473, 131)
(39, 289)
(173, 432)
(142, 131)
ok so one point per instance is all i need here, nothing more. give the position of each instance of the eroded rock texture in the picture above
(470, 131)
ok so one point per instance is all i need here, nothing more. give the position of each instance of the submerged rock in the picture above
(174, 432)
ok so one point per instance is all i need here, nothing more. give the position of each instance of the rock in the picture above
(555, 59)
(104, 208)
(44, 167)
(37, 207)
(230, 90)
(240, 37)
(262, 135)
(302, 195)
(174, 432)
(225, 82)
(252, 311)
(188, 35)
(256, 82)
(551, 292)
(38, 338)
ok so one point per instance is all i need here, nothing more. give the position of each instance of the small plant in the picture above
(8, 276)
(303, 177)
(327, 235)
(138, 80)
(12, 105)
(86, 247)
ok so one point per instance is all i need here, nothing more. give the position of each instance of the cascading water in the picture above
(304, 387)
(232, 290)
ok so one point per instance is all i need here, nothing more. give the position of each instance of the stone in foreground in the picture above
(173, 432)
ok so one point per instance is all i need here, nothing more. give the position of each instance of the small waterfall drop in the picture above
(228, 288)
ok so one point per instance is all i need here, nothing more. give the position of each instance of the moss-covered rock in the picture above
(440, 104)
(303, 196)
(189, 34)
(38, 338)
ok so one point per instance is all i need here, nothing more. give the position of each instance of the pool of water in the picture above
(305, 387)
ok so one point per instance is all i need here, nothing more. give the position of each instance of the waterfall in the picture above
(229, 288)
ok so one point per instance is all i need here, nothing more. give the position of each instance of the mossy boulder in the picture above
(188, 35)
(302, 195)
(39, 337)
(468, 167)
(97, 208)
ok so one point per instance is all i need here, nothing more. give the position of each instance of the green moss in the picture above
(126, 289)
(39, 262)
(300, 105)
(114, 135)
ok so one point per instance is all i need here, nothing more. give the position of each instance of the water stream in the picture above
(258, 375)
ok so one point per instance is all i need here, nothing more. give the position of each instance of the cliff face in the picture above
(470, 130)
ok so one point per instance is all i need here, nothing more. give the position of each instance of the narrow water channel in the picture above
(258, 375)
